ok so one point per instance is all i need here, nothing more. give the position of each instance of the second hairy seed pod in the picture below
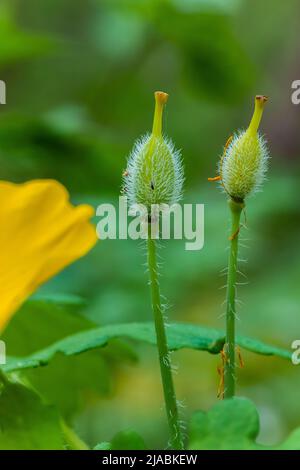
(154, 173)
(244, 163)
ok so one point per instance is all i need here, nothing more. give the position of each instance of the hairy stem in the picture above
(163, 352)
(229, 368)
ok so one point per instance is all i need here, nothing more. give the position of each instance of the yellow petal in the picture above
(41, 233)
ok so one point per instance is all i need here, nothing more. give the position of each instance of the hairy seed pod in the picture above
(154, 172)
(243, 165)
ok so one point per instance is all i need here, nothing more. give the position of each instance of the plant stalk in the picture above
(72, 440)
(163, 351)
(229, 367)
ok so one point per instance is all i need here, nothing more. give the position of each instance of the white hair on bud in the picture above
(154, 172)
(244, 165)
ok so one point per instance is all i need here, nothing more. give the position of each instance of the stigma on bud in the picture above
(260, 101)
(160, 100)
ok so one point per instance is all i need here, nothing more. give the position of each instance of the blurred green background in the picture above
(80, 77)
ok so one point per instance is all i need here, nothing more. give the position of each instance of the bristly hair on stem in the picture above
(154, 176)
(229, 348)
(242, 169)
(176, 441)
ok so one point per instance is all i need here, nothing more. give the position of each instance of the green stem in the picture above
(229, 370)
(71, 439)
(163, 351)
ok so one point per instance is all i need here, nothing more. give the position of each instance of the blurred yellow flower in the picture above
(41, 233)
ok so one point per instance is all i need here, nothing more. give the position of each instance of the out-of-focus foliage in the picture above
(124, 440)
(69, 381)
(21, 408)
(80, 77)
(232, 425)
(16, 44)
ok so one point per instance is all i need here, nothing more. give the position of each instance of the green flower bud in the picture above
(244, 162)
(154, 172)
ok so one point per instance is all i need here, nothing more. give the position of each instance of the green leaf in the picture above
(26, 422)
(45, 320)
(124, 440)
(103, 446)
(259, 347)
(42, 320)
(180, 335)
(232, 424)
(68, 381)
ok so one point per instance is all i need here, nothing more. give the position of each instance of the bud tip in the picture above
(261, 100)
(161, 97)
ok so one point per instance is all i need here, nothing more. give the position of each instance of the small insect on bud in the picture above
(243, 165)
(154, 170)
